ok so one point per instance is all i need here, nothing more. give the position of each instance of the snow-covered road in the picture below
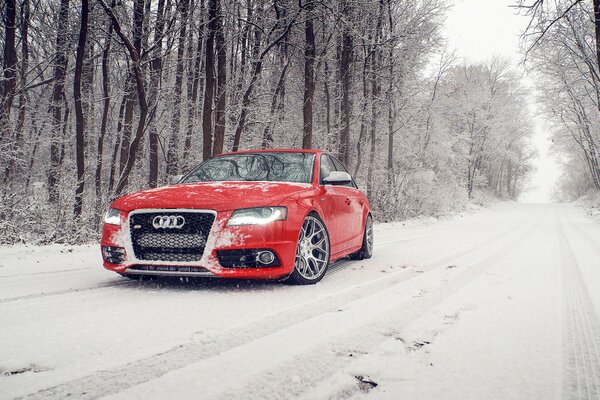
(501, 304)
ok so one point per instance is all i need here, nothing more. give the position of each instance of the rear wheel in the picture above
(312, 253)
(366, 251)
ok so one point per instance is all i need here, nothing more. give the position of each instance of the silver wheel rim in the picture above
(312, 254)
(369, 233)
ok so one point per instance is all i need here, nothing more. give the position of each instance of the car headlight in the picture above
(112, 216)
(257, 216)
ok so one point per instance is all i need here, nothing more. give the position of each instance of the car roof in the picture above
(314, 151)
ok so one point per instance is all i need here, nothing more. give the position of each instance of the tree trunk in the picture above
(244, 48)
(116, 144)
(375, 90)
(597, 31)
(192, 114)
(9, 66)
(256, 68)
(13, 162)
(79, 120)
(345, 76)
(309, 80)
(132, 88)
(173, 148)
(209, 75)
(267, 141)
(155, 77)
(221, 48)
(58, 98)
(391, 103)
(363, 112)
(129, 97)
(105, 111)
(326, 91)
(592, 153)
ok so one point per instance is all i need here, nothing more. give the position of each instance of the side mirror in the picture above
(175, 179)
(338, 178)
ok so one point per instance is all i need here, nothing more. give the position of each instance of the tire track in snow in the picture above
(309, 369)
(105, 285)
(466, 224)
(582, 329)
(60, 271)
(207, 346)
(446, 231)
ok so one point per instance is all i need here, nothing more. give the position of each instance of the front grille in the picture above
(179, 244)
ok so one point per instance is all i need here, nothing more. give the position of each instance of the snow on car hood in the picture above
(219, 196)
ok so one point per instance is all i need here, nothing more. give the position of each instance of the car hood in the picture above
(218, 196)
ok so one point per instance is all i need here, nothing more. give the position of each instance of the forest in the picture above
(104, 97)
(563, 53)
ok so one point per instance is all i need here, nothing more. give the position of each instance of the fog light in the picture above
(248, 258)
(266, 257)
(114, 255)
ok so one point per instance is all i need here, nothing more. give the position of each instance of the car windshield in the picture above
(263, 166)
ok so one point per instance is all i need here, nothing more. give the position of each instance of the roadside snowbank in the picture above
(590, 203)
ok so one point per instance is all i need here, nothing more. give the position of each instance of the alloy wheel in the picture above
(312, 255)
(369, 233)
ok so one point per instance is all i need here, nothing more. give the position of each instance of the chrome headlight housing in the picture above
(257, 216)
(112, 217)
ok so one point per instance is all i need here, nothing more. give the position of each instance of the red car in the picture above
(259, 214)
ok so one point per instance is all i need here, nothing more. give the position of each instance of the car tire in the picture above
(312, 252)
(366, 251)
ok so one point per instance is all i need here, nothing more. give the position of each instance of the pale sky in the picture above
(480, 29)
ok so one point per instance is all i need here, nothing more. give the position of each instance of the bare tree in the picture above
(9, 66)
(346, 78)
(79, 118)
(221, 93)
(309, 80)
(257, 65)
(173, 152)
(134, 54)
(209, 78)
(57, 102)
(155, 77)
(18, 141)
(193, 90)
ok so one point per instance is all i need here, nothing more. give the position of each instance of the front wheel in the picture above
(312, 253)
(366, 251)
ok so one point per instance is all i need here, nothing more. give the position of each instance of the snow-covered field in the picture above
(500, 304)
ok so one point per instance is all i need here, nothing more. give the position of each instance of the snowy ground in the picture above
(502, 304)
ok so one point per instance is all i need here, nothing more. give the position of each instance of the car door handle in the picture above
(348, 201)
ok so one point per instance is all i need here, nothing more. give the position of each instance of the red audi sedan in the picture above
(259, 214)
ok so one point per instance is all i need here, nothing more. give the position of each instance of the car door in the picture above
(353, 200)
(333, 203)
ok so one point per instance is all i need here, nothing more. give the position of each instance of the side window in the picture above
(340, 167)
(326, 168)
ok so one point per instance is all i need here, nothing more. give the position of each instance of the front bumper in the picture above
(279, 237)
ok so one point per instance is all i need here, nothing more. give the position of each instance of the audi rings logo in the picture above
(168, 222)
